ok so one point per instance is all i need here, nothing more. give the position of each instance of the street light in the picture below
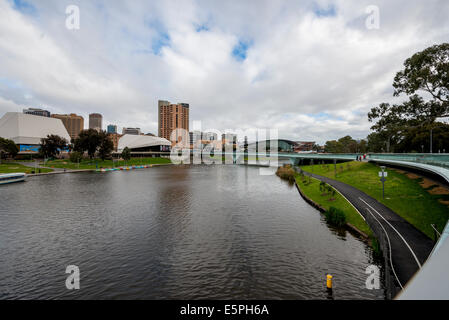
(431, 137)
(383, 176)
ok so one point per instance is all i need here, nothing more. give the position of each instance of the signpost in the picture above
(383, 175)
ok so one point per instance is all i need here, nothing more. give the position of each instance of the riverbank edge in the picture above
(89, 170)
(322, 210)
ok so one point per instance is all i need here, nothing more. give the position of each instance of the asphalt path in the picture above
(409, 247)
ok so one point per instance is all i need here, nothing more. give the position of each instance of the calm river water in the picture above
(184, 232)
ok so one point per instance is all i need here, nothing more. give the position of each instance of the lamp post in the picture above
(431, 137)
(383, 176)
(431, 133)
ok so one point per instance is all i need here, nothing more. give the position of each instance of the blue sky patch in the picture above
(13, 84)
(330, 11)
(240, 50)
(201, 27)
(24, 7)
(162, 40)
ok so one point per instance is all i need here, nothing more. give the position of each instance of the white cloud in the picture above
(313, 77)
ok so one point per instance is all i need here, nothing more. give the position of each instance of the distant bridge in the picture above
(437, 164)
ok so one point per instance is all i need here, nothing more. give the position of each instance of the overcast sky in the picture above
(312, 69)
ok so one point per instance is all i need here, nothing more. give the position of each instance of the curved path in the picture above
(409, 246)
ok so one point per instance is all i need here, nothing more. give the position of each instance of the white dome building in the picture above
(138, 143)
(27, 130)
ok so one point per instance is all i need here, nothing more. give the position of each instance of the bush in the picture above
(336, 217)
(286, 172)
(126, 154)
(76, 157)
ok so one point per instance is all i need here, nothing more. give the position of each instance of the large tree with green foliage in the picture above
(8, 147)
(106, 146)
(126, 153)
(93, 141)
(345, 145)
(52, 145)
(425, 80)
(87, 140)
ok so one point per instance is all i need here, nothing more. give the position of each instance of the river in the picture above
(174, 232)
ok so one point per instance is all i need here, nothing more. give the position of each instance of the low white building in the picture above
(143, 143)
(27, 130)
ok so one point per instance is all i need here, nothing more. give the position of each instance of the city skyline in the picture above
(235, 74)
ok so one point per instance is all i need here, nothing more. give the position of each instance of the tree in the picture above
(331, 146)
(88, 140)
(9, 147)
(126, 154)
(362, 146)
(106, 146)
(345, 145)
(425, 80)
(52, 145)
(93, 141)
(76, 157)
(427, 71)
(377, 142)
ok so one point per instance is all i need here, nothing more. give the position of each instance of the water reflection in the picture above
(187, 232)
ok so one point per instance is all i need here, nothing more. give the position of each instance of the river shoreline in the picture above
(349, 226)
(62, 171)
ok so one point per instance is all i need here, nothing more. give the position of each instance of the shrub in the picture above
(322, 186)
(126, 154)
(336, 217)
(76, 157)
(286, 172)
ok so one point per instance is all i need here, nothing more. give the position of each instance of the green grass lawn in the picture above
(312, 191)
(403, 195)
(11, 167)
(92, 164)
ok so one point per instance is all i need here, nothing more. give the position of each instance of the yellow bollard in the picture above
(329, 281)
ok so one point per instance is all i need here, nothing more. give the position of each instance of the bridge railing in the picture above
(440, 159)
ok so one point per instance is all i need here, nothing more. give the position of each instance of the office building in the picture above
(112, 129)
(115, 138)
(171, 118)
(304, 146)
(96, 121)
(37, 112)
(133, 131)
(72, 122)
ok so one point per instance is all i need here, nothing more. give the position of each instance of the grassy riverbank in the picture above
(93, 164)
(11, 167)
(404, 194)
(325, 200)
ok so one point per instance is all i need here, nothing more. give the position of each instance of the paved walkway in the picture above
(39, 166)
(409, 246)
